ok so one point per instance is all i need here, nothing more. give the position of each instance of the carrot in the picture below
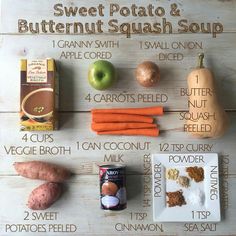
(110, 118)
(153, 132)
(150, 111)
(120, 126)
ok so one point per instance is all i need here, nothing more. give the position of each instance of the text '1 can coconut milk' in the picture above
(112, 187)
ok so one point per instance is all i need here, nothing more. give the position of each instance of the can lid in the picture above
(113, 166)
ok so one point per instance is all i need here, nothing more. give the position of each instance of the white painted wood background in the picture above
(79, 205)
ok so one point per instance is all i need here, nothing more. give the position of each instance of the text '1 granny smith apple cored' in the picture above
(102, 74)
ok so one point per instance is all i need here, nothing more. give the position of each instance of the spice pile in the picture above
(126, 121)
(183, 181)
(196, 197)
(196, 173)
(177, 198)
(172, 174)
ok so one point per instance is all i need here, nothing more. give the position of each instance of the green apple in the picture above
(102, 74)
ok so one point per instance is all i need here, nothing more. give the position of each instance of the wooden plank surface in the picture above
(77, 95)
(82, 196)
(79, 149)
(92, 150)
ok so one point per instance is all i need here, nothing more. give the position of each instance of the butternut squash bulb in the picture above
(206, 118)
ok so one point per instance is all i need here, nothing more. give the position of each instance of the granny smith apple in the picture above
(102, 74)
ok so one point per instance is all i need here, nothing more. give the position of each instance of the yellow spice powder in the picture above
(172, 174)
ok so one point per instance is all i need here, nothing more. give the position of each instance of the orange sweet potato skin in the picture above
(42, 170)
(44, 196)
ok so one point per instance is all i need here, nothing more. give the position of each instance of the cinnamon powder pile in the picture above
(175, 198)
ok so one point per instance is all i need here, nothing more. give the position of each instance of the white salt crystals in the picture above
(196, 197)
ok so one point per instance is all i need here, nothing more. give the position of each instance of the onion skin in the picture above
(147, 74)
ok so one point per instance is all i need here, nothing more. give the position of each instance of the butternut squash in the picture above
(206, 118)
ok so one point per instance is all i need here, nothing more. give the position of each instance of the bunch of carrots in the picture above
(126, 121)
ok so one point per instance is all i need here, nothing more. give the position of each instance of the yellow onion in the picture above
(147, 74)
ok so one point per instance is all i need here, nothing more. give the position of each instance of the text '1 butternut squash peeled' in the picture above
(207, 118)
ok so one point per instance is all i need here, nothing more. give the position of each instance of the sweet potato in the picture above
(44, 196)
(42, 170)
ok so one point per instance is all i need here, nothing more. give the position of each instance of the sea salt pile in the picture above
(196, 197)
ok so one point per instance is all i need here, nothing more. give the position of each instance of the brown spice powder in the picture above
(183, 181)
(175, 198)
(196, 173)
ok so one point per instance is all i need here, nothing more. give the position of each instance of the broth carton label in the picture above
(36, 71)
(39, 95)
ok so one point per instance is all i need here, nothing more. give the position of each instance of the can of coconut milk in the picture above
(112, 187)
